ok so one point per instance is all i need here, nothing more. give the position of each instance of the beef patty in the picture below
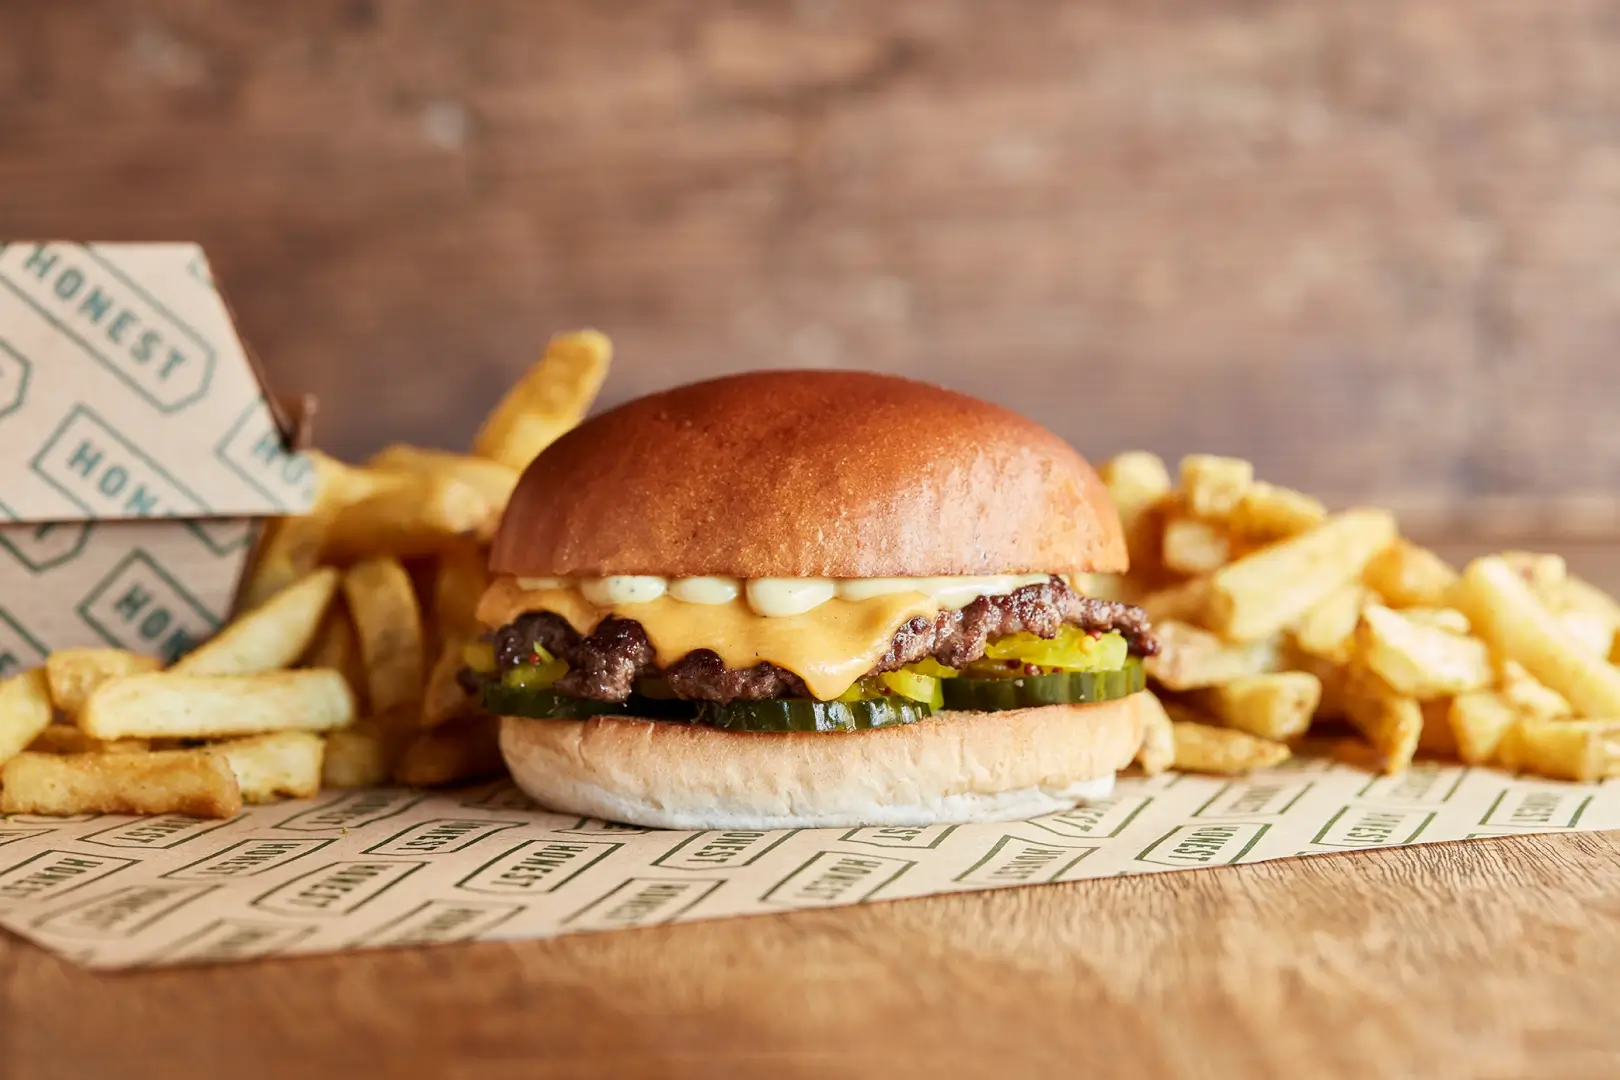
(604, 665)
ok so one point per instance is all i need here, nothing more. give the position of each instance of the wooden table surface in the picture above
(1491, 958)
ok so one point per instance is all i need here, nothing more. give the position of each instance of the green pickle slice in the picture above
(800, 714)
(1033, 691)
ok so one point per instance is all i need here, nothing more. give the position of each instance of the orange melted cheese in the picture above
(829, 647)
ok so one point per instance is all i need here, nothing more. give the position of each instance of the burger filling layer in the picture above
(883, 659)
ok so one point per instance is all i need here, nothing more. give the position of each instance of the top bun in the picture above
(808, 474)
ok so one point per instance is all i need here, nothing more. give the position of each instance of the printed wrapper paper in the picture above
(138, 448)
(371, 868)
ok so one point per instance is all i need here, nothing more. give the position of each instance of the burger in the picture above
(809, 598)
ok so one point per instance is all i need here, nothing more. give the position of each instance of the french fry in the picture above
(361, 756)
(1192, 546)
(1421, 661)
(1541, 572)
(74, 673)
(1212, 487)
(446, 699)
(272, 635)
(1478, 721)
(1277, 705)
(1328, 629)
(198, 783)
(160, 705)
(336, 647)
(1190, 658)
(460, 578)
(1517, 625)
(1182, 602)
(283, 763)
(1267, 512)
(68, 739)
(1158, 750)
(466, 749)
(1594, 633)
(412, 515)
(1438, 735)
(1261, 593)
(1575, 594)
(1522, 691)
(551, 398)
(1406, 575)
(389, 624)
(491, 479)
(1223, 751)
(1139, 485)
(291, 546)
(1562, 749)
(1390, 721)
(25, 711)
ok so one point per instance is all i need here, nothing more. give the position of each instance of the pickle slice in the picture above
(540, 704)
(802, 714)
(1033, 691)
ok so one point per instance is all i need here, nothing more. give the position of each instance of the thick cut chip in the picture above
(1562, 749)
(1192, 546)
(282, 763)
(1223, 751)
(389, 623)
(1392, 722)
(25, 711)
(272, 635)
(466, 749)
(198, 783)
(551, 398)
(1158, 750)
(1421, 661)
(1407, 575)
(74, 673)
(161, 705)
(1212, 487)
(1276, 705)
(1478, 722)
(1190, 658)
(1268, 512)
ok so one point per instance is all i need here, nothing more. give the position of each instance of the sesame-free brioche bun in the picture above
(951, 767)
(808, 474)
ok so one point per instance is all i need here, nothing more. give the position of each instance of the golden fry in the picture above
(1421, 661)
(1223, 751)
(1261, 593)
(1478, 721)
(1212, 487)
(1192, 546)
(1406, 575)
(68, 739)
(1266, 512)
(1158, 750)
(271, 636)
(198, 783)
(1521, 690)
(1184, 602)
(74, 673)
(1190, 658)
(460, 578)
(160, 705)
(551, 398)
(446, 699)
(336, 647)
(491, 479)
(1438, 736)
(1562, 749)
(412, 515)
(283, 763)
(383, 605)
(291, 546)
(466, 749)
(1328, 629)
(1140, 487)
(25, 711)
(1390, 721)
(1276, 705)
(1594, 633)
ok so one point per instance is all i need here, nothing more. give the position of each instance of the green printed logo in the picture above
(440, 921)
(1016, 861)
(14, 372)
(162, 831)
(1254, 798)
(1095, 819)
(592, 827)
(903, 836)
(834, 877)
(19, 650)
(642, 902)
(52, 873)
(439, 837)
(1424, 783)
(1373, 826)
(10, 835)
(46, 545)
(247, 858)
(720, 848)
(537, 866)
(1214, 844)
(106, 475)
(234, 939)
(116, 322)
(351, 811)
(255, 450)
(122, 913)
(337, 888)
(1527, 807)
(140, 606)
(224, 535)
(501, 795)
(197, 267)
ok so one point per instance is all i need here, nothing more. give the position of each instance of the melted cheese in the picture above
(829, 646)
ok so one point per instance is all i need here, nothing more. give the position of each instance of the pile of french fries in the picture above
(1278, 620)
(341, 669)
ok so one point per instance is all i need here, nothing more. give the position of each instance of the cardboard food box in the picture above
(139, 450)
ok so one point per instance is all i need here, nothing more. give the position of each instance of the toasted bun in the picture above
(952, 767)
(808, 474)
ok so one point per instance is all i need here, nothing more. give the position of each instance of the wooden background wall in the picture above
(1375, 245)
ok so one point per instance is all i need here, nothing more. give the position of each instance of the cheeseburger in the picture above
(798, 599)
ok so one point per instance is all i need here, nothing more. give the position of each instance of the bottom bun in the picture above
(952, 767)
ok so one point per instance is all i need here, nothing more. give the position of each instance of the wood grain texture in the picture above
(1368, 244)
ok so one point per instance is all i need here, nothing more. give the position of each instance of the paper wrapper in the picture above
(371, 868)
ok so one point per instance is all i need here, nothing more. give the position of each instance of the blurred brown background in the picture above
(1372, 244)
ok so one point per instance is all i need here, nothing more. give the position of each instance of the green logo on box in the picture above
(254, 450)
(47, 545)
(140, 606)
(14, 372)
(106, 475)
(116, 322)
(19, 650)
